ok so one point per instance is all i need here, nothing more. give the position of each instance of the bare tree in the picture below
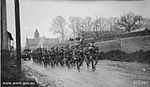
(80, 26)
(88, 24)
(100, 24)
(72, 25)
(96, 28)
(114, 28)
(58, 26)
(130, 22)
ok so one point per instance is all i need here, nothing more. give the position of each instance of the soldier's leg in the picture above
(68, 62)
(72, 62)
(77, 62)
(57, 61)
(29, 57)
(78, 68)
(38, 59)
(49, 61)
(92, 62)
(87, 61)
(44, 63)
(61, 62)
(52, 63)
(54, 59)
(96, 60)
(80, 62)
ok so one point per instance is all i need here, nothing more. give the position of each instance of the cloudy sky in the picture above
(39, 13)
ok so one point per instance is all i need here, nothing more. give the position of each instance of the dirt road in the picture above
(108, 74)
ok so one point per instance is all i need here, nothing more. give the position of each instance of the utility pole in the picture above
(4, 37)
(18, 35)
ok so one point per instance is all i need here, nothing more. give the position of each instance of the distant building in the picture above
(43, 42)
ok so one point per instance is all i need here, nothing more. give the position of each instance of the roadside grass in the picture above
(117, 55)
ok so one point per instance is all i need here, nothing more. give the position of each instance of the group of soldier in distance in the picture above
(66, 56)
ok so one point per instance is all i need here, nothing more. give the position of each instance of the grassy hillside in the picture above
(117, 55)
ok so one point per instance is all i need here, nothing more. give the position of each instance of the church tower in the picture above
(36, 34)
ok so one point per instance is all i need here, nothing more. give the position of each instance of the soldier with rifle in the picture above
(79, 55)
(93, 50)
(52, 57)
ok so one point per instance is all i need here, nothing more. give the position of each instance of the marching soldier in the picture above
(87, 55)
(39, 55)
(46, 58)
(93, 55)
(79, 56)
(67, 56)
(56, 57)
(52, 56)
(72, 60)
(61, 56)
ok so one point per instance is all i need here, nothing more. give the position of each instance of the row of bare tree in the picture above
(84, 26)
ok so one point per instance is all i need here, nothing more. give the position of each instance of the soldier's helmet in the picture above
(81, 42)
(67, 46)
(87, 45)
(52, 48)
(77, 46)
(92, 42)
(97, 48)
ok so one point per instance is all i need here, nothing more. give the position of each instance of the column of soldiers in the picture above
(73, 56)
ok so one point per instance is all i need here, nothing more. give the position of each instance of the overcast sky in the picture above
(39, 13)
